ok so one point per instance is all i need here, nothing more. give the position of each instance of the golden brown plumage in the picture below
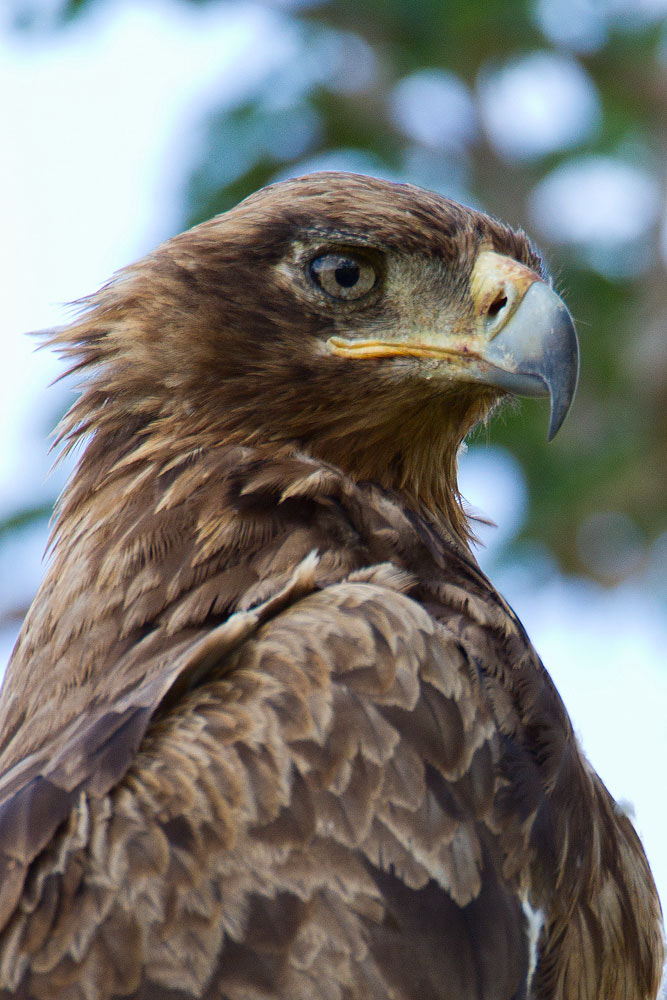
(268, 731)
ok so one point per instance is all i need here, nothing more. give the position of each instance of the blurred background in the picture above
(125, 121)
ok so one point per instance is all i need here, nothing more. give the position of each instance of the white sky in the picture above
(96, 135)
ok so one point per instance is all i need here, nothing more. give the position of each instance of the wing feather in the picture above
(357, 748)
(284, 787)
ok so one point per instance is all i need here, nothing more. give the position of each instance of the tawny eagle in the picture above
(268, 730)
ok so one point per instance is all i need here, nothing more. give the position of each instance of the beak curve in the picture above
(536, 352)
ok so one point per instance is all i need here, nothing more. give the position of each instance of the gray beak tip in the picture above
(537, 353)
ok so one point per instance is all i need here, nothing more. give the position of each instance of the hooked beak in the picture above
(532, 349)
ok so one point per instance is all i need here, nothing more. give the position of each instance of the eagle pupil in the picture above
(347, 274)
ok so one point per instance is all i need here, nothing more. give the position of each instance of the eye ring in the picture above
(345, 276)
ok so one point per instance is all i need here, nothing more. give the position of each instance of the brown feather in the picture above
(268, 731)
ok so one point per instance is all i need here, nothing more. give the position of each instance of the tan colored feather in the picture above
(269, 733)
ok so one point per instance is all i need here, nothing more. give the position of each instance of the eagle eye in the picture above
(343, 275)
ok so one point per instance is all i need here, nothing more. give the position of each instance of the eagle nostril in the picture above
(498, 303)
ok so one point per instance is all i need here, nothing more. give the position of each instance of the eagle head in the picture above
(368, 323)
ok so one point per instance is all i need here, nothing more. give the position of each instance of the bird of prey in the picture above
(269, 733)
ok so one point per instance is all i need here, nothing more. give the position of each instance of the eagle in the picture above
(269, 732)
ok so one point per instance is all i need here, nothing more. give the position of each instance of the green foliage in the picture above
(25, 518)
